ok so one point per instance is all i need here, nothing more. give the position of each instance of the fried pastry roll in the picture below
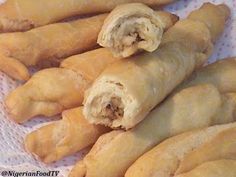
(191, 108)
(216, 168)
(18, 15)
(132, 27)
(49, 43)
(50, 91)
(221, 147)
(167, 158)
(127, 90)
(64, 137)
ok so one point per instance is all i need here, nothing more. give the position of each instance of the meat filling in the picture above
(113, 110)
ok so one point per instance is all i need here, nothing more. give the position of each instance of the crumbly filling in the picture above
(131, 39)
(132, 32)
(113, 110)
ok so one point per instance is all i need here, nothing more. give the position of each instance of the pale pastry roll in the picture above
(191, 108)
(50, 91)
(18, 15)
(50, 43)
(165, 159)
(64, 137)
(221, 147)
(133, 27)
(222, 74)
(127, 90)
(216, 168)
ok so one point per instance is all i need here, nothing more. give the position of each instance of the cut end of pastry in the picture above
(130, 28)
(111, 107)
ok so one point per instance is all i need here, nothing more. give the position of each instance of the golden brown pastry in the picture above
(127, 90)
(18, 15)
(191, 108)
(133, 27)
(167, 158)
(64, 137)
(49, 43)
(216, 168)
(50, 91)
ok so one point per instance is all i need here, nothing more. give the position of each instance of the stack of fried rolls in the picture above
(117, 150)
(221, 75)
(148, 83)
(63, 88)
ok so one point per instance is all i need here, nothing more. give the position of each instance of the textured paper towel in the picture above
(12, 153)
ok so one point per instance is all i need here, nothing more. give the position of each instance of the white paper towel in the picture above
(12, 153)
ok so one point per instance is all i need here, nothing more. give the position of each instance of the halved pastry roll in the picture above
(50, 91)
(191, 108)
(213, 143)
(132, 27)
(49, 43)
(18, 15)
(217, 168)
(64, 137)
(127, 90)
